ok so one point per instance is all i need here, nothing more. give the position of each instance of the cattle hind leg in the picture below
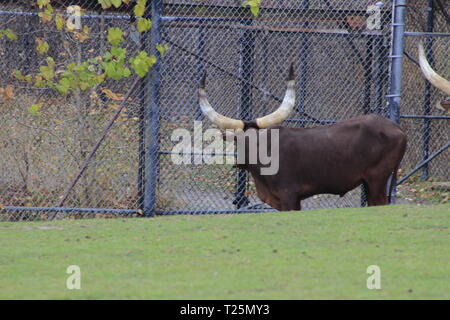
(379, 193)
(393, 183)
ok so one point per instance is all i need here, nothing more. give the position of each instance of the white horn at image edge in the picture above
(431, 75)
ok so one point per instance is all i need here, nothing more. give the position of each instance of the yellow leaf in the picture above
(9, 92)
(42, 46)
(112, 95)
(80, 36)
(59, 21)
(93, 95)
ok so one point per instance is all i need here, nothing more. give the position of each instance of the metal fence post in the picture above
(152, 116)
(367, 99)
(247, 44)
(427, 94)
(396, 66)
(144, 43)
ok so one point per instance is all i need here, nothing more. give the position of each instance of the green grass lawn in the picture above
(319, 254)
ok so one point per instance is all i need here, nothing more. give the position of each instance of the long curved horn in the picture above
(431, 75)
(286, 107)
(207, 109)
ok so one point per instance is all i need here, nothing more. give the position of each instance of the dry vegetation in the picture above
(42, 152)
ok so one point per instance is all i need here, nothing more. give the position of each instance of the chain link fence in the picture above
(246, 61)
(342, 71)
(42, 151)
(423, 119)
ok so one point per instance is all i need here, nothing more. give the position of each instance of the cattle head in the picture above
(256, 141)
(434, 78)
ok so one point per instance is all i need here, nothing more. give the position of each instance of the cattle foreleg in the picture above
(289, 202)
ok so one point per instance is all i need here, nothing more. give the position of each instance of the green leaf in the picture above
(99, 78)
(144, 24)
(115, 36)
(142, 63)
(106, 4)
(47, 72)
(162, 49)
(18, 74)
(46, 16)
(50, 61)
(43, 3)
(139, 8)
(42, 46)
(63, 86)
(59, 21)
(49, 9)
(116, 3)
(110, 70)
(84, 85)
(254, 5)
(35, 109)
(126, 72)
(11, 35)
(71, 66)
(254, 11)
(108, 56)
(119, 52)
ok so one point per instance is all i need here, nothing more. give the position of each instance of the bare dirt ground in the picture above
(425, 193)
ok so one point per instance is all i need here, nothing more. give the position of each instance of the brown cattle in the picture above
(332, 159)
